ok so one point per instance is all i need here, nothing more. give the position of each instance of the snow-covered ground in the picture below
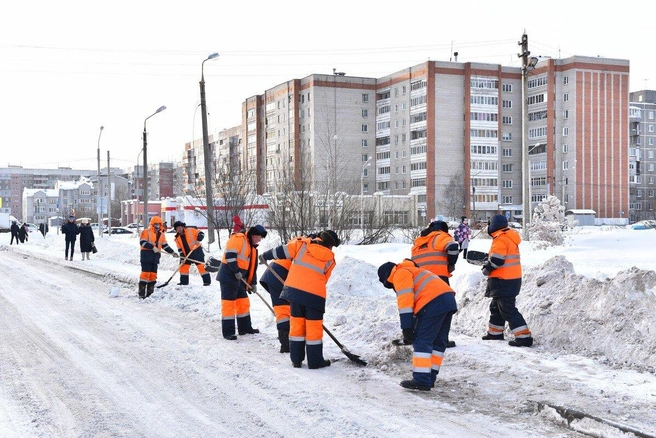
(75, 362)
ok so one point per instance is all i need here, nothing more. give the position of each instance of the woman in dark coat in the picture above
(22, 233)
(86, 238)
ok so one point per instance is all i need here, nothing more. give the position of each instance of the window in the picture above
(507, 184)
(507, 152)
(506, 136)
(651, 128)
(506, 104)
(506, 88)
(565, 165)
(365, 157)
(650, 142)
(565, 80)
(565, 132)
(507, 168)
(507, 199)
(565, 97)
(384, 170)
(365, 127)
(365, 113)
(403, 90)
(365, 98)
(364, 143)
(383, 185)
(565, 148)
(506, 120)
(566, 114)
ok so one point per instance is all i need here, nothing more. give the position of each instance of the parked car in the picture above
(644, 225)
(120, 230)
(31, 228)
(515, 225)
(132, 225)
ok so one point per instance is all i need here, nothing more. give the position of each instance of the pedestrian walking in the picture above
(462, 235)
(188, 241)
(426, 306)
(503, 270)
(87, 238)
(237, 270)
(43, 229)
(14, 233)
(152, 241)
(436, 251)
(70, 231)
(23, 233)
(305, 288)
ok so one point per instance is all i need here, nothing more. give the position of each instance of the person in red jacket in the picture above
(504, 271)
(305, 289)
(426, 307)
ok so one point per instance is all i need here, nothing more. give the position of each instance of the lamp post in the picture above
(98, 206)
(364, 166)
(209, 201)
(527, 65)
(136, 190)
(144, 218)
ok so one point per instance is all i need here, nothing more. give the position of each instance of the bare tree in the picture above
(452, 202)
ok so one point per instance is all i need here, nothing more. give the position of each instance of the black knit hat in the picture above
(440, 226)
(384, 272)
(497, 223)
(330, 238)
(177, 224)
(257, 230)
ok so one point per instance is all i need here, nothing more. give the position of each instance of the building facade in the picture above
(642, 151)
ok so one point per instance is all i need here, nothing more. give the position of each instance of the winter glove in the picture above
(262, 259)
(252, 289)
(238, 276)
(485, 271)
(451, 268)
(408, 336)
(175, 255)
(156, 250)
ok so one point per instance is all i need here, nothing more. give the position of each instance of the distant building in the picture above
(642, 155)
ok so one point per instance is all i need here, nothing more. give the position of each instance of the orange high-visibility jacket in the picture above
(309, 272)
(504, 258)
(435, 252)
(193, 238)
(240, 255)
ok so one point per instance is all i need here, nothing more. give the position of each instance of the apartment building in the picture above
(642, 151)
(14, 179)
(451, 134)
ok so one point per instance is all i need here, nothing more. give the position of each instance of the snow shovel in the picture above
(476, 257)
(354, 357)
(248, 286)
(176, 271)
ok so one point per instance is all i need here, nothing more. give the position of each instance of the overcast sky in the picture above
(66, 68)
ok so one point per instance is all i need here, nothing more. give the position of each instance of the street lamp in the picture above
(209, 202)
(527, 65)
(98, 206)
(144, 218)
(364, 166)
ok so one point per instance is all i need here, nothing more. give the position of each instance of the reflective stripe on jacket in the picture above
(435, 252)
(415, 287)
(240, 256)
(504, 261)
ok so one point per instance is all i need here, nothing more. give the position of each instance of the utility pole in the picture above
(98, 204)
(109, 199)
(526, 202)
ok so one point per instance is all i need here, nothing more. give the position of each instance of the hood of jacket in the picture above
(509, 233)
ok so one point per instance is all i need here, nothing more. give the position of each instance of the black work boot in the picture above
(184, 280)
(142, 290)
(322, 364)
(521, 342)
(412, 384)
(249, 331)
(206, 279)
(150, 288)
(283, 337)
(489, 337)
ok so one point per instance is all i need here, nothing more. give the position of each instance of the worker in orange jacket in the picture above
(152, 241)
(188, 241)
(235, 276)
(504, 271)
(305, 289)
(426, 306)
(436, 251)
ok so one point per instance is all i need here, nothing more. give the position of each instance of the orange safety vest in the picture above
(313, 264)
(191, 236)
(148, 236)
(429, 252)
(415, 287)
(505, 246)
(239, 249)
